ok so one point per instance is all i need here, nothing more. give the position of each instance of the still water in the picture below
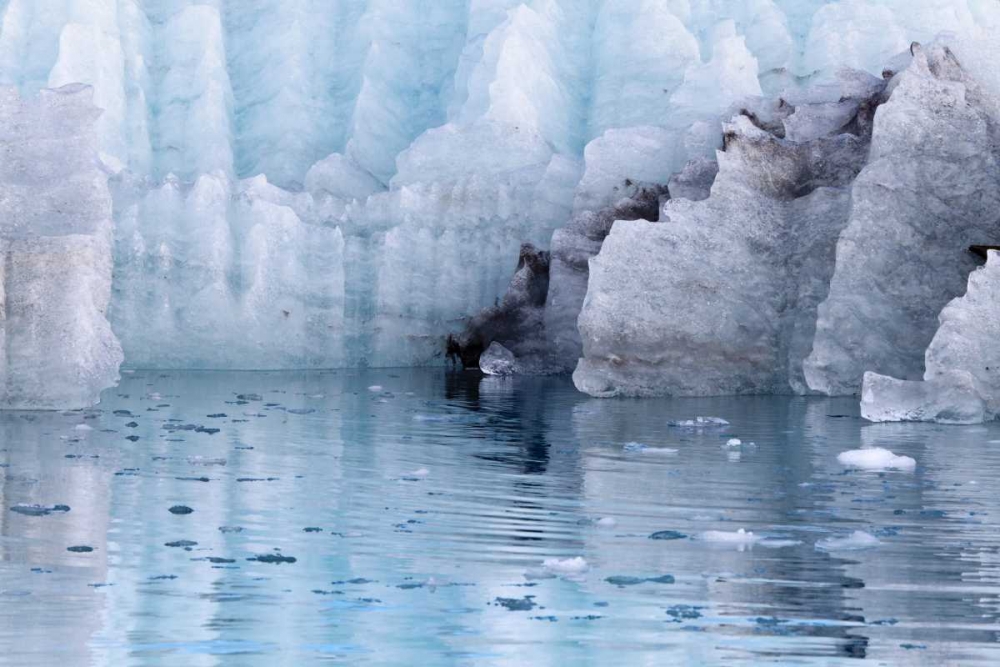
(406, 517)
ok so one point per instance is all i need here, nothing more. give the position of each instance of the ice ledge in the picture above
(962, 381)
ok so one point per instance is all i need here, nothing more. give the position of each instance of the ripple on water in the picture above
(421, 517)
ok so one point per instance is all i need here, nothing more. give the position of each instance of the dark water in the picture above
(419, 517)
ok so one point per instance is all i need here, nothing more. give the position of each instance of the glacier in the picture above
(348, 183)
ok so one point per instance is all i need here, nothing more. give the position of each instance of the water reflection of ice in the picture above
(432, 504)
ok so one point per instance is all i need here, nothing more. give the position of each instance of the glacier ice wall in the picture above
(930, 190)
(401, 150)
(836, 230)
(57, 349)
(719, 296)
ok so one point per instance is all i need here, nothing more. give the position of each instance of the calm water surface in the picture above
(420, 508)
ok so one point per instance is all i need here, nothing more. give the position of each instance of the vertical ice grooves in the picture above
(453, 128)
(291, 61)
(413, 54)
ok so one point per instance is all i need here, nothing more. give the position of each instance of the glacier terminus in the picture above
(706, 197)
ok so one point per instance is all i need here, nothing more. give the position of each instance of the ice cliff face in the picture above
(962, 382)
(315, 183)
(930, 190)
(835, 232)
(56, 346)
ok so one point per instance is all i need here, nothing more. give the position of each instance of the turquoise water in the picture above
(420, 507)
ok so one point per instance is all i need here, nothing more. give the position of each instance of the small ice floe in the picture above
(875, 458)
(83, 427)
(734, 442)
(742, 538)
(154, 396)
(639, 448)
(699, 422)
(565, 566)
(606, 522)
(856, 541)
(375, 388)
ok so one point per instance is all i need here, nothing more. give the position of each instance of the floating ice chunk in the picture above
(876, 458)
(699, 422)
(607, 522)
(962, 378)
(375, 388)
(639, 448)
(741, 539)
(566, 566)
(38, 510)
(856, 541)
(498, 360)
(734, 442)
(206, 461)
(83, 427)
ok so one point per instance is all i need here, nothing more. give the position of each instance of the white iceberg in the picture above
(876, 458)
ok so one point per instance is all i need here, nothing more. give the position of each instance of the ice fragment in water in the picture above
(875, 458)
(856, 541)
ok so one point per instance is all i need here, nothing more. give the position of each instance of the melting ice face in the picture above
(310, 184)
